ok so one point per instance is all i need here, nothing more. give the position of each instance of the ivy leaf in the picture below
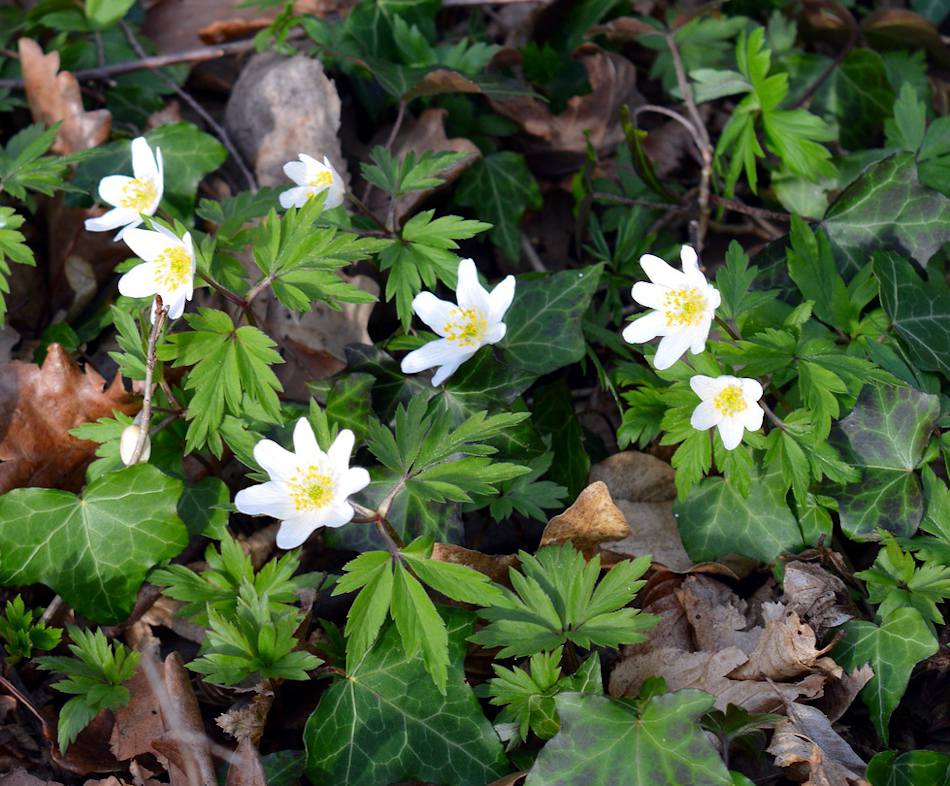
(892, 649)
(933, 160)
(658, 743)
(887, 209)
(499, 187)
(920, 311)
(859, 96)
(94, 550)
(884, 436)
(387, 722)
(913, 768)
(544, 321)
(715, 519)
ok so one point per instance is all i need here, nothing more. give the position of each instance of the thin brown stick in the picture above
(815, 86)
(199, 110)
(748, 210)
(150, 359)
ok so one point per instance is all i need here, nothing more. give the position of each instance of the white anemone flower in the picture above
(308, 488)
(131, 197)
(683, 304)
(167, 270)
(312, 178)
(464, 328)
(730, 404)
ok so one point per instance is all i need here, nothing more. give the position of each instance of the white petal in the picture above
(751, 389)
(705, 416)
(495, 333)
(294, 197)
(266, 499)
(354, 479)
(433, 311)
(659, 272)
(120, 235)
(143, 162)
(145, 243)
(699, 333)
(175, 303)
(139, 281)
(448, 370)
(689, 259)
(313, 166)
(160, 177)
(645, 328)
(112, 219)
(730, 429)
(335, 195)
(469, 292)
(294, 531)
(278, 463)
(714, 298)
(752, 417)
(341, 449)
(671, 349)
(435, 353)
(337, 514)
(112, 188)
(500, 299)
(649, 295)
(305, 443)
(296, 171)
(704, 387)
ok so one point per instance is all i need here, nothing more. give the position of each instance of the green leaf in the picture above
(388, 723)
(892, 649)
(658, 743)
(859, 96)
(907, 128)
(934, 157)
(733, 281)
(914, 768)
(887, 209)
(811, 265)
(13, 247)
(23, 167)
(715, 519)
(884, 436)
(105, 13)
(283, 768)
(544, 321)
(94, 550)
(204, 508)
(919, 311)
(499, 187)
(554, 416)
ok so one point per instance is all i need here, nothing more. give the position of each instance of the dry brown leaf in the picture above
(222, 30)
(623, 30)
(38, 407)
(246, 768)
(495, 566)
(559, 140)
(806, 741)
(841, 693)
(247, 721)
(54, 97)
(818, 596)
(643, 489)
(425, 133)
(591, 520)
(20, 777)
(718, 617)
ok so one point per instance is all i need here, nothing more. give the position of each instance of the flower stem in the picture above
(150, 359)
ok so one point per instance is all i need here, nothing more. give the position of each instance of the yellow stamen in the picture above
(138, 195)
(311, 489)
(172, 268)
(467, 327)
(729, 401)
(684, 307)
(321, 180)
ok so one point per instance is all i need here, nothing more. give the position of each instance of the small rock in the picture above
(281, 107)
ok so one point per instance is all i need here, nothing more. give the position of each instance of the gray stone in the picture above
(281, 107)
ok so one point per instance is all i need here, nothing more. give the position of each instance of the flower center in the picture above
(311, 489)
(729, 401)
(684, 307)
(172, 268)
(467, 327)
(321, 180)
(138, 195)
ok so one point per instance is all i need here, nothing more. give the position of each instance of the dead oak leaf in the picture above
(54, 97)
(590, 521)
(38, 407)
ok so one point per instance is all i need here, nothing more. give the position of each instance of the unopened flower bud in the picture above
(130, 438)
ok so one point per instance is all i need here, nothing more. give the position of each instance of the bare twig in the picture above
(150, 359)
(748, 210)
(533, 258)
(199, 110)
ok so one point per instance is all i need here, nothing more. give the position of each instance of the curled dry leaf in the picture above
(643, 489)
(495, 566)
(425, 133)
(591, 520)
(246, 768)
(806, 741)
(819, 597)
(38, 407)
(54, 97)
(559, 140)
(246, 721)
(841, 693)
